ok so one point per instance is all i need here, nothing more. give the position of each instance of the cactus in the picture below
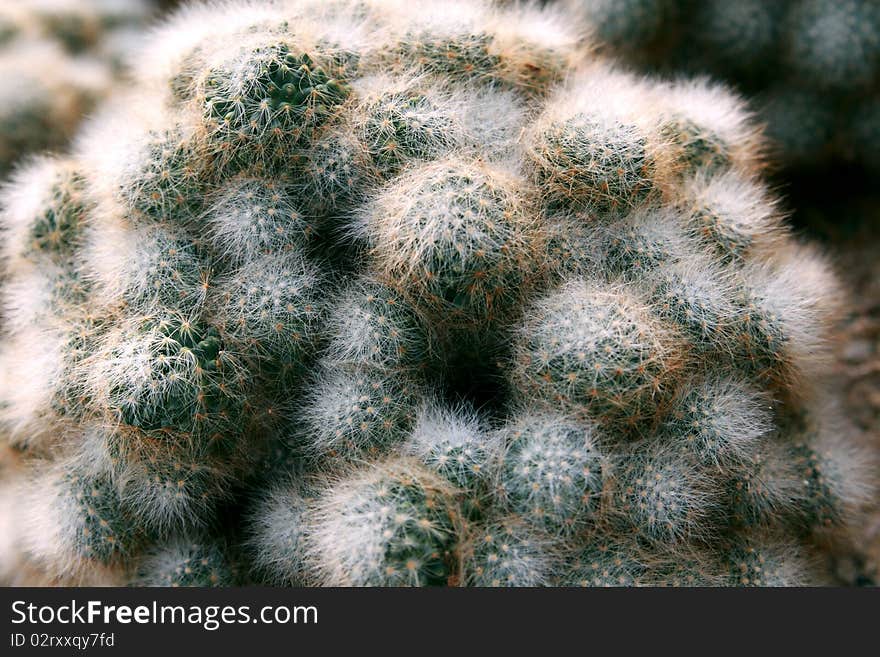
(757, 560)
(455, 238)
(335, 170)
(169, 373)
(455, 442)
(693, 296)
(569, 250)
(405, 126)
(277, 534)
(780, 332)
(101, 529)
(373, 326)
(719, 420)
(523, 49)
(44, 211)
(401, 526)
(167, 483)
(508, 553)
(665, 496)
(831, 485)
(732, 215)
(553, 473)
(364, 294)
(253, 217)
(691, 568)
(363, 412)
(160, 267)
(186, 564)
(151, 172)
(768, 488)
(270, 308)
(596, 158)
(597, 350)
(76, 520)
(709, 129)
(266, 97)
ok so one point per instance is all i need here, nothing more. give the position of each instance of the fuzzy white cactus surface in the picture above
(375, 293)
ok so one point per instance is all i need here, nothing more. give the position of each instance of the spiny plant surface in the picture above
(359, 293)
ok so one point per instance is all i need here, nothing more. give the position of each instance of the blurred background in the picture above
(58, 58)
(810, 68)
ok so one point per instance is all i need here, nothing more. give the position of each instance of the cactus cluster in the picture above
(814, 63)
(365, 293)
(58, 58)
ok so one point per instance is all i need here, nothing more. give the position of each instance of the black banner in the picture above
(328, 621)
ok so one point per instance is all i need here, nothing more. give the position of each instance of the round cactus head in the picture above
(456, 239)
(74, 520)
(103, 532)
(277, 534)
(372, 325)
(553, 472)
(395, 524)
(153, 172)
(721, 421)
(270, 309)
(398, 127)
(455, 443)
(43, 211)
(169, 483)
(254, 217)
(732, 215)
(766, 560)
(598, 351)
(267, 96)
(665, 497)
(606, 563)
(169, 373)
(349, 415)
(508, 553)
(602, 158)
(155, 265)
